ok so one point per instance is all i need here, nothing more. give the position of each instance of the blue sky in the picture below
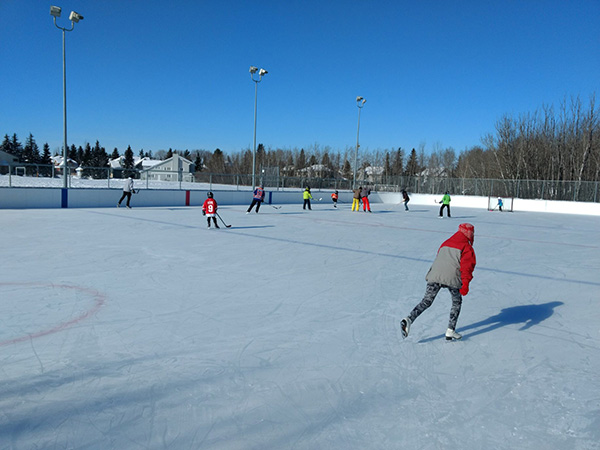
(155, 75)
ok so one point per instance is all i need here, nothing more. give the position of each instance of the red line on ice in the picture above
(99, 299)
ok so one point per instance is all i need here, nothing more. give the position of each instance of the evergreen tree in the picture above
(5, 147)
(198, 163)
(301, 162)
(115, 154)
(412, 166)
(72, 154)
(31, 151)
(398, 165)
(260, 156)
(128, 162)
(169, 154)
(46, 159)
(387, 167)
(87, 156)
(141, 154)
(16, 149)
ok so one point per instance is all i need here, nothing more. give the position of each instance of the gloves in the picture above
(464, 290)
(203, 212)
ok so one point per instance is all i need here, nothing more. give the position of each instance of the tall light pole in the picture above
(360, 102)
(261, 72)
(74, 18)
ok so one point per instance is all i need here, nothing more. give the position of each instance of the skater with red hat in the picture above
(452, 269)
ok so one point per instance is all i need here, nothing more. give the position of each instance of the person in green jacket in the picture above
(445, 204)
(307, 198)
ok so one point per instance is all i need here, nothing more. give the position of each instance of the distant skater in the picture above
(499, 205)
(209, 209)
(127, 191)
(356, 198)
(445, 204)
(259, 197)
(334, 198)
(307, 196)
(364, 195)
(452, 269)
(405, 199)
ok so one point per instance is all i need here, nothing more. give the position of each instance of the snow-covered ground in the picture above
(141, 329)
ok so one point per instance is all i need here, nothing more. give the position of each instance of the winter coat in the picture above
(306, 195)
(445, 199)
(405, 196)
(356, 193)
(455, 262)
(128, 185)
(365, 192)
(259, 194)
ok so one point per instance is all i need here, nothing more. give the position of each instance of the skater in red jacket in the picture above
(452, 269)
(209, 209)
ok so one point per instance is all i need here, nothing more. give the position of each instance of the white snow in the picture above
(141, 329)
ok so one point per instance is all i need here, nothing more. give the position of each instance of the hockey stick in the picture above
(228, 226)
(276, 207)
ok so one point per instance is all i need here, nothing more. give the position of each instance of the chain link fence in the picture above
(36, 175)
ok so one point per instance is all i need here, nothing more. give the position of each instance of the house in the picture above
(176, 168)
(6, 159)
(57, 161)
(139, 165)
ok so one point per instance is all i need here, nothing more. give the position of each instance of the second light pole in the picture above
(360, 102)
(261, 72)
(74, 17)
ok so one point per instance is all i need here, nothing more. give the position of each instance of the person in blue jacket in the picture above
(259, 197)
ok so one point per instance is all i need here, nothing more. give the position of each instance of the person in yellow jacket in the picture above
(356, 198)
(445, 204)
(307, 198)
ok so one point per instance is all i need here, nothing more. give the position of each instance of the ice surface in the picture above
(138, 329)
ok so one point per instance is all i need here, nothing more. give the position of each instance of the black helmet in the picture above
(209, 195)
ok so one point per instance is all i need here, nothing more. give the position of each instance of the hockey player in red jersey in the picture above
(209, 209)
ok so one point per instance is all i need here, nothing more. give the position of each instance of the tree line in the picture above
(550, 144)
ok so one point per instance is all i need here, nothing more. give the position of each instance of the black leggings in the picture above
(125, 194)
(442, 210)
(256, 202)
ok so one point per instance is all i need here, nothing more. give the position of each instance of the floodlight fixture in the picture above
(262, 72)
(55, 11)
(75, 17)
(253, 69)
(360, 101)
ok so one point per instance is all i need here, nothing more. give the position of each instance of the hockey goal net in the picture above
(500, 203)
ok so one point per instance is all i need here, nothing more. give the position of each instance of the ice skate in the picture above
(405, 326)
(452, 335)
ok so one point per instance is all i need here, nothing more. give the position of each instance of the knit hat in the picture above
(468, 230)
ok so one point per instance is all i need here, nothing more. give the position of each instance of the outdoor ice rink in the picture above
(142, 329)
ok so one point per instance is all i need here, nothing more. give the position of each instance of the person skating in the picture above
(127, 191)
(364, 195)
(445, 204)
(334, 198)
(499, 204)
(356, 198)
(259, 197)
(209, 209)
(405, 199)
(452, 269)
(307, 196)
